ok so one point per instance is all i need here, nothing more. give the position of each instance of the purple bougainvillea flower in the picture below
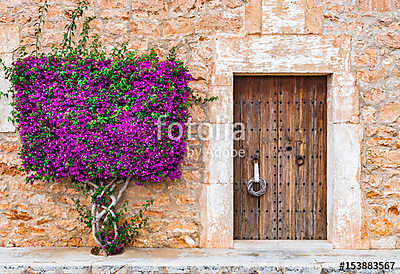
(99, 119)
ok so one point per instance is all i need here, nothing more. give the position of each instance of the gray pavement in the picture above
(247, 258)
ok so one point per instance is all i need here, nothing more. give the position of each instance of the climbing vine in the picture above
(100, 119)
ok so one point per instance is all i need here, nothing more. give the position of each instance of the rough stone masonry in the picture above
(44, 215)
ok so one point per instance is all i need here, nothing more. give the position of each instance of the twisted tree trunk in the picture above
(102, 213)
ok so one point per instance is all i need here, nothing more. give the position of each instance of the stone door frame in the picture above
(287, 55)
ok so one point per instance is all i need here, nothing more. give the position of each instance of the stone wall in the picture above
(43, 214)
(365, 32)
(373, 26)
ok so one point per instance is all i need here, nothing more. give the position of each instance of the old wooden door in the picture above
(284, 120)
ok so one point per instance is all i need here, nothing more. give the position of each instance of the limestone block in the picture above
(9, 37)
(218, 155)
(368, 57)
(343, 99)
(289, 53)
(346, 211)
(384, 243)
(390, 113)
(253, 16)
(179, 26)
(216, 216)
(374, 5)
(5, 103)
(213, 22)
(314, 19)
(283, 16)
(221, 110)
(390, 39)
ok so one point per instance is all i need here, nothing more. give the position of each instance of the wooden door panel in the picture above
(285, 118)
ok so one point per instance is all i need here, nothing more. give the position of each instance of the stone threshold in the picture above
(301, 259)
(282, 244)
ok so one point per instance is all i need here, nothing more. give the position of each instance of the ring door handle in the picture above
(256, 179)
(299, 160)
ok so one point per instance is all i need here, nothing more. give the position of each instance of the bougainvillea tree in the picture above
(100, 120)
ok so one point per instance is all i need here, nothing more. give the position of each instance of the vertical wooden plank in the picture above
(320, 205)
(297, 150)
(268, 159)
(249, 220)
(252, 148)
(308, 154)
(242, 83)
(237, 190)
(286, 169)
(275, 94)
(258, 96)
(314, 156)
(244, 219)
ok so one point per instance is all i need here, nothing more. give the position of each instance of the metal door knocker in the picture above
(256, 180)
(299, 160)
